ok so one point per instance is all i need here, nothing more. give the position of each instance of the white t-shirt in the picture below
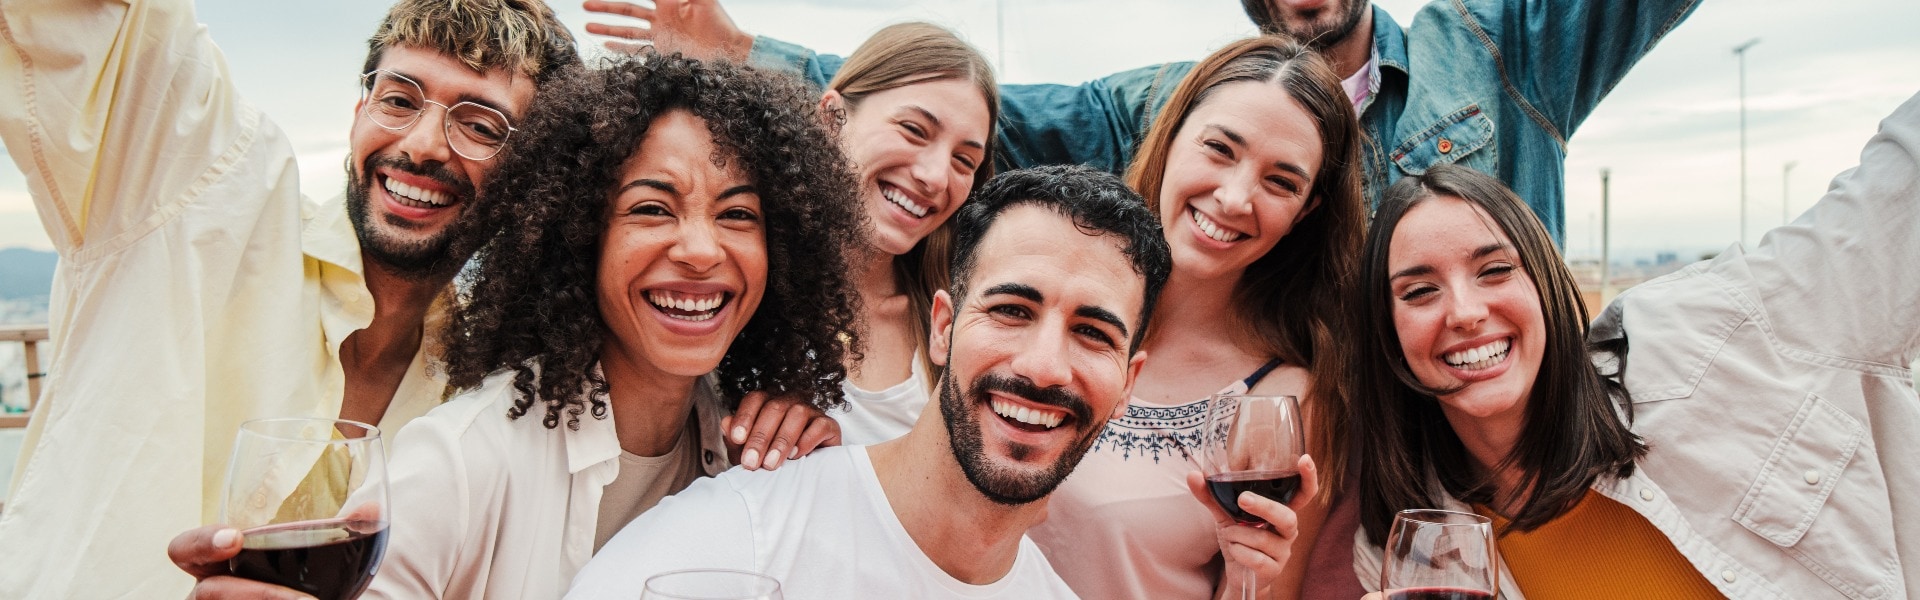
(874, 417)
(822, 526)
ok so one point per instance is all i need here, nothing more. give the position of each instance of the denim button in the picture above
(1446, 145)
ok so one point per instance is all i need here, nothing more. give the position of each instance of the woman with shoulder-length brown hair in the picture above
(1754, 443)
(914, 107)
(1253, 169)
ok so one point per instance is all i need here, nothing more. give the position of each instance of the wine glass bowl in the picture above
(1252, 444)
(711, 584)
(308, 496)
(1440, 555)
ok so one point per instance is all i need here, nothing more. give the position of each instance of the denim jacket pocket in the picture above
(1792, 504)
(1452, 139)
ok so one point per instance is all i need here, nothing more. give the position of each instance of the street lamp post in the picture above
(1740, 51)
(1786, 190)
(1606, 237)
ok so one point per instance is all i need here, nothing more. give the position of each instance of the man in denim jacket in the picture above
(1497, 85)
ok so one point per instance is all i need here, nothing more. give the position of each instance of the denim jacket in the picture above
(1773, 392)
(1495, 85)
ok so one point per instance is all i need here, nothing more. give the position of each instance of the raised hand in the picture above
(697, 28)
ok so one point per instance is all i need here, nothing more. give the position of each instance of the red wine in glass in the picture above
(1278, 486)
(1439, 593)
(330, 559)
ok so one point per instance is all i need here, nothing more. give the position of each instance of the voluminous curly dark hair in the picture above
(532, 306)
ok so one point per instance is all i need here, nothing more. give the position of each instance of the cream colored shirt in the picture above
(196, 289)
(642, 482)
(490, 507)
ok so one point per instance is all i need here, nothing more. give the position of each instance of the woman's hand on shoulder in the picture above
(1263, 551)
(767, 431)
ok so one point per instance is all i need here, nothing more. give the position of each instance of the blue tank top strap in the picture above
(1261, 373)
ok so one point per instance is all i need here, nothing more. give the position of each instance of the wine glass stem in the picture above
(1247, 590)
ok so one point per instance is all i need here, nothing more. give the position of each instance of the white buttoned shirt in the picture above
(1773, 392)
(490, 507)
(196, 289)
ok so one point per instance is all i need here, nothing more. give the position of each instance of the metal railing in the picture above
(29, 336)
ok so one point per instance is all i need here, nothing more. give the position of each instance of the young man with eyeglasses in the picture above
(198, 289)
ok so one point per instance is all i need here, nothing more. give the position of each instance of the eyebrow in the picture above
(1242, 141)
(1478, 253)
(668, 188)
(1102, 315)
(464, 97)
(1085, 311)
(936, 123)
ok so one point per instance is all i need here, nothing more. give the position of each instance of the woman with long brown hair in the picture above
(1744, 428)
(1253, 169)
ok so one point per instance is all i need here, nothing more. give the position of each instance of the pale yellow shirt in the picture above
(196, 289)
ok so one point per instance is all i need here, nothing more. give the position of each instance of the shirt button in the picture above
(1728, 576)
(1646, 494)
(1446, 145)
(1813, 477)
(708, 456)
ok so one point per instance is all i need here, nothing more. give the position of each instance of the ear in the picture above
(940, 340)
(832, 109)
(1133, 374)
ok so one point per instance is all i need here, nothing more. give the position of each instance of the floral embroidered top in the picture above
(1124, 525)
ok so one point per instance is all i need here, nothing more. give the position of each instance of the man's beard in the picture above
(1000, 484)
(1317, 34)
(436, 256)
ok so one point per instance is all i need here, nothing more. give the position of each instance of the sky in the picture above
(1819, 81)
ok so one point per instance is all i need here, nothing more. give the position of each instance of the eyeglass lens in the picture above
(474, 131)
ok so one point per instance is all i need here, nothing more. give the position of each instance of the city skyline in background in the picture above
(1817, 85)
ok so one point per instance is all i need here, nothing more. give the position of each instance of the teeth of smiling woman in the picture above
(418, 195)
(900, 200)
(1214, 230)
(1474, 359)
(1044, 418)
(703, 306)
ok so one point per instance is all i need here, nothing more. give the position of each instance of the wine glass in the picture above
(309, 497)
(1440, 555)
(711, 584)
(1251, 444)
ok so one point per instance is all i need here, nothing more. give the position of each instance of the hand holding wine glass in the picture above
(1440, 555)
(1254, 466)
(308, 497)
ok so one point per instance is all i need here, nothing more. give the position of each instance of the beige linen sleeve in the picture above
(116, 111)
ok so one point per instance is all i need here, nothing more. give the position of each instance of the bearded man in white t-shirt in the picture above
(1054, 272)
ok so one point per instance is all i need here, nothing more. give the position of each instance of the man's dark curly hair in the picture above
(532, 305)
(1097, 202)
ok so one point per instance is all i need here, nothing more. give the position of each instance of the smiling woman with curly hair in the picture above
(672, 239)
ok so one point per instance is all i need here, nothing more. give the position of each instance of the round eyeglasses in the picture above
(395, 103)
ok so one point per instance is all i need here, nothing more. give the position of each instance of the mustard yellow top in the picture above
(1600, 549)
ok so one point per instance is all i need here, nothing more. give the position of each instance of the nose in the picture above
(930, 172)
(1041, 360)
(698, 248)
(426, 141)
(1466, 310)
(1235, 193)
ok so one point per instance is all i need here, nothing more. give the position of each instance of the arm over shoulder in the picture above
(1097, 123)
(114, 110)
